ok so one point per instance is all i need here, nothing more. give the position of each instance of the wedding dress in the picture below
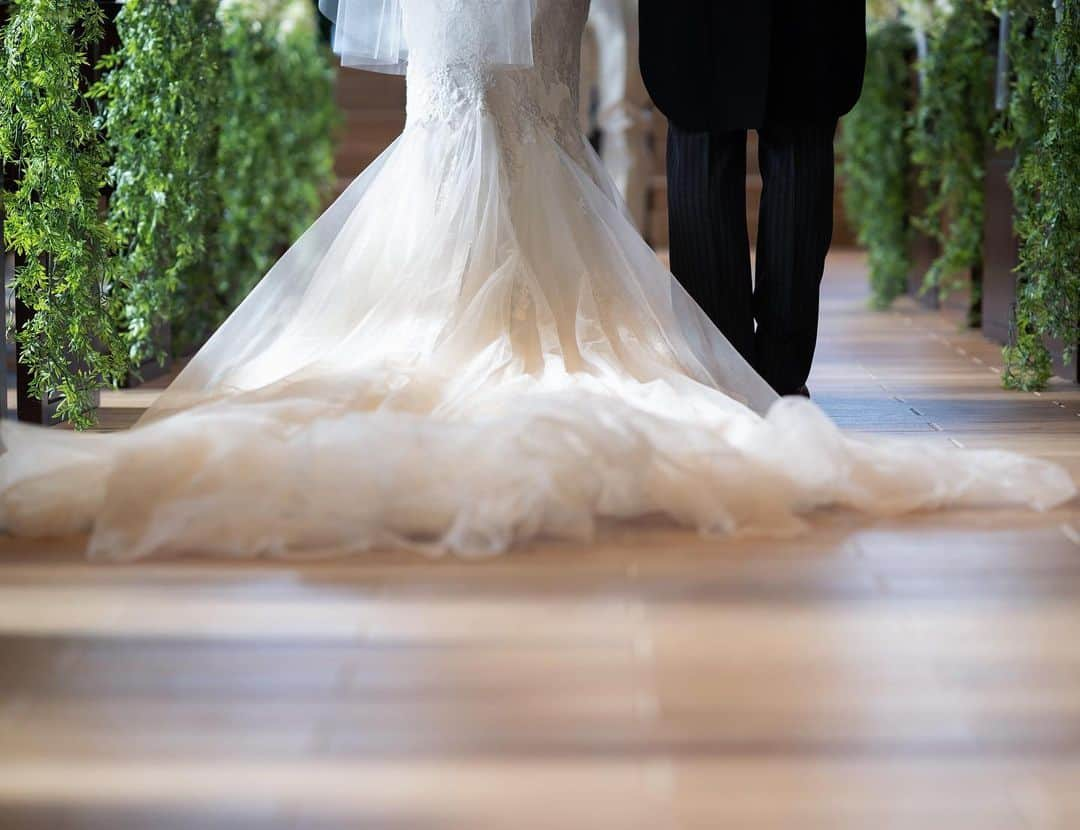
(472, 348)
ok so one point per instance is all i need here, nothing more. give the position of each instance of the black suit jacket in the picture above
(743, 64)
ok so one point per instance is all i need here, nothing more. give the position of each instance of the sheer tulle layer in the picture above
(470, 349)
(286, 476)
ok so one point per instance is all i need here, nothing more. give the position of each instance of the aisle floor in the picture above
(918, 673)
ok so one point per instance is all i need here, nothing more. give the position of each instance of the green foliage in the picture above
(161, 89)
(275, 158)
(215, 133)
(1027, 360)
(1043, 124)
(949, 139)
(52, 216)
(875, 162)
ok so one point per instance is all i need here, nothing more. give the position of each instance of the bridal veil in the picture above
(371, 34)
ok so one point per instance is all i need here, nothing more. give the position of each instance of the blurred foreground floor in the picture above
(920, 673)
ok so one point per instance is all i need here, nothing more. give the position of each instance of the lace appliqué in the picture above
(448, 81)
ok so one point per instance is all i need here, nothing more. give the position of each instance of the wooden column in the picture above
(1000, 249)
(924, 250)
(1000, 245)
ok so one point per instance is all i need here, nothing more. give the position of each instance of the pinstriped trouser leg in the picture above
(710, 247)
(794, 234)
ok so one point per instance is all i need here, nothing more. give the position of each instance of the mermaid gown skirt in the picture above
(471, 348)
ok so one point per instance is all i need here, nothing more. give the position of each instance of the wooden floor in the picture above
(922, 673)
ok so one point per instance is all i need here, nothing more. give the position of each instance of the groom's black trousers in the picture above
(710, 247)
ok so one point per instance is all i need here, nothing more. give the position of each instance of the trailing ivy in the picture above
(160, 92)
(307, 90)
(52, 216)
(217, 121)
(275, 156)
(1044, 126)
(949, 139)
(1027, 361)
(875, 160)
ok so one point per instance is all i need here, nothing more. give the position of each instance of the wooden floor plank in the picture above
(916, 672)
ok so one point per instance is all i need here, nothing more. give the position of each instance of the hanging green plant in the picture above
(275, 155)
(306, 84)
(875, 161)
(160, 93)
(1044, 127)
(949, 139)
(52, 216)
(1027, 362)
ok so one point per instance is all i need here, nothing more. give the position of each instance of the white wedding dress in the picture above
(471, 348)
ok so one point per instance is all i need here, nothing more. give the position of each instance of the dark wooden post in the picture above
(1070, 371)
(1000, 245)
(923, 249)
(1000, 249)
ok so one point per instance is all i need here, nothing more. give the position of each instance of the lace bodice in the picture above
(447, 82)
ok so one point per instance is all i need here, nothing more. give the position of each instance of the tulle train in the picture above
(470, 349)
